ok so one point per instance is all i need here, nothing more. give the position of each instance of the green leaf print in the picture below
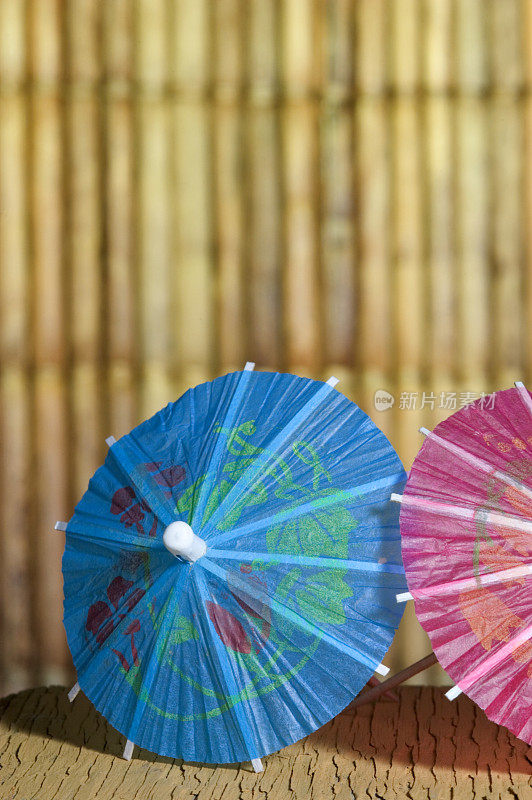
(253, 496)
(182, 631)
(320, 600)
(216, 496)
(324, 534)
(235, 469)
(187, 502)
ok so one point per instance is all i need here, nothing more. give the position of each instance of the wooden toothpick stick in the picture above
(390, 683)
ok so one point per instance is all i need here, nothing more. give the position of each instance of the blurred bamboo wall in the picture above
(320, 186)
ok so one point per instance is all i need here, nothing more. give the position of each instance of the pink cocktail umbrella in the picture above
(466, 527)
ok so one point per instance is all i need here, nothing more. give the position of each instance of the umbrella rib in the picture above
(227, 421)
(482, 465)
(298, 620)
(462, 512)
(106, 536)
(492, 660)
(523, 392)
(103, 652)
(343, 495)
(228, 677)
(153, 661)
(132, 473)
(451, 587)
(307, 561)
(269, 453)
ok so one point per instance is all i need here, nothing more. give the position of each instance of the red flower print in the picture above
(168, 477)
(134, 598)
(117, 589)
(101, 619)
(122, 499)
(134, 516)
(255, 608)
(131, 512)
(131, 630)
(228, 628)
(98, 613)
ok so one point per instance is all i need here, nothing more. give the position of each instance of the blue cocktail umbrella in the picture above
(230, 573)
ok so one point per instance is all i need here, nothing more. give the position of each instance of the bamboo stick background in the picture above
(320, 186)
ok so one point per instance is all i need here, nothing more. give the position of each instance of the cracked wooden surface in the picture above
(419, 747)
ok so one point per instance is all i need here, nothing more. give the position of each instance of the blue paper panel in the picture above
(285, 618)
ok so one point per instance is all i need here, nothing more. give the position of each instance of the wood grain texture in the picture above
(409, 280)
(338, 229)
(228, 216)
(192, 322)
(118, 223)
(15, 643)
(506, 157)
(262, 186)
(472, 196)
(154, 236)
(300, 187)
(372, 149)
(52, 462)
(420, 748)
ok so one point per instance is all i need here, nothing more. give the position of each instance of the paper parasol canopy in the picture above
(230, 574)
(466, 528)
